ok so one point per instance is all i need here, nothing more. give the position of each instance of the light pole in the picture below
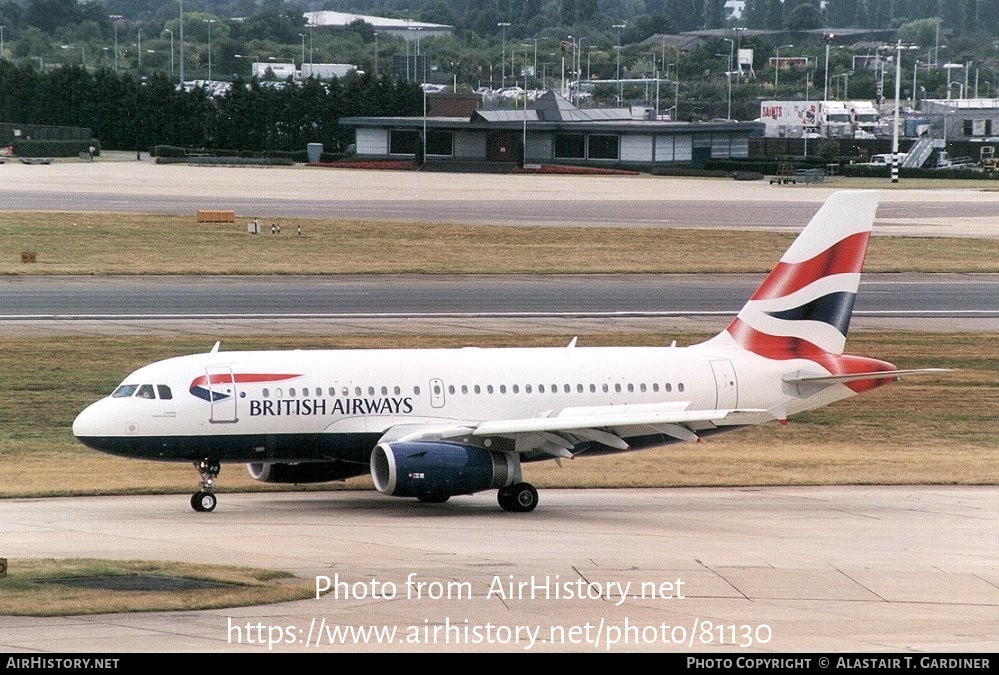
(949, 67)
(115, 18)
(1, 42)
(302, 35)
(182, 43)
(503, 25)
(894, 133)
(171, 51)
(828, 37)
(209, 22)
(139, 47)
(376, 53)
(728, 74)
(620, 27)
(894, 130)
(777, 63)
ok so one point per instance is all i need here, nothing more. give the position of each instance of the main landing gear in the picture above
(205, 499)
(518, 498)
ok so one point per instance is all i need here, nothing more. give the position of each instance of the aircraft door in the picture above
(726, 385)
(222, 394)
(437, 393)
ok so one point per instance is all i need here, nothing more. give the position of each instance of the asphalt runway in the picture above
(837, 569)
(761, 570)
(920, 295)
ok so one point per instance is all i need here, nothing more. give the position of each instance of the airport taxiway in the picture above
(775, 569)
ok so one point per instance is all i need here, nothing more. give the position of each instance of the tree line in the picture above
(128, 113)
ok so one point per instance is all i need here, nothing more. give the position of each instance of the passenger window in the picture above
(291, 391)
(669, 387)
(384, 391)
(124, 391)
(266, 392)
(502, 388)
(679, 387)
(397, 391)
(145, 391)
(478, 389)
(164, 392)
(416, 391)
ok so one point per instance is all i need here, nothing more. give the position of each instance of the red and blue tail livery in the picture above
(431, 424)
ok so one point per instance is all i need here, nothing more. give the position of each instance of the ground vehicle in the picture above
(885, 159)
(826, 119)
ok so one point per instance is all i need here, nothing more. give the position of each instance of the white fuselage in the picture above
(367, 392)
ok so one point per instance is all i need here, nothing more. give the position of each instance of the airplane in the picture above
(435, 423)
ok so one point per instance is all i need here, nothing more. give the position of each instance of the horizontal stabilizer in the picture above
(816, 378)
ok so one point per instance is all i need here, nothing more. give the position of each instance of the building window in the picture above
(404, 142)
(569, 146)
(440, 143)
(603, 146)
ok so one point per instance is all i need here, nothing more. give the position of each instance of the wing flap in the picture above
(604, 417)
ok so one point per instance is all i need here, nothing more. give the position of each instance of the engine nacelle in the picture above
(436, 469)
(303, 472)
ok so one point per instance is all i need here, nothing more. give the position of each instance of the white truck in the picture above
(818, 119)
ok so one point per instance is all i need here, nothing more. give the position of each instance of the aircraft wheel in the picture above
(204, 501)
(519, 498)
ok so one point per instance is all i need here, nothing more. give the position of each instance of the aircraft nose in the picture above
(90, 426)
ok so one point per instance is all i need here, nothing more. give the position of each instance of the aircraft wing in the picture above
(556, 433)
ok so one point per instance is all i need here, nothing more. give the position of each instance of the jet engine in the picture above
(434, 471)
(304, 472)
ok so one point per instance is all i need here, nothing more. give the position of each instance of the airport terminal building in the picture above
(553, 131)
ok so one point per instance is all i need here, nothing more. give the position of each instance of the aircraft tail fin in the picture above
(804, 306)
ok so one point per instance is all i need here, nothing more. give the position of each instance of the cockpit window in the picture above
(147, 391)
(124, 391)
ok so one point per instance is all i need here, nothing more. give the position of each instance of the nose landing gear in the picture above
(205, 499)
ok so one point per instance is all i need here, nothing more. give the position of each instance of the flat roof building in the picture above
(552, 131)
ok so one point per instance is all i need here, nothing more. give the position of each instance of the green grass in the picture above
(51, 587)
(94, 243)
